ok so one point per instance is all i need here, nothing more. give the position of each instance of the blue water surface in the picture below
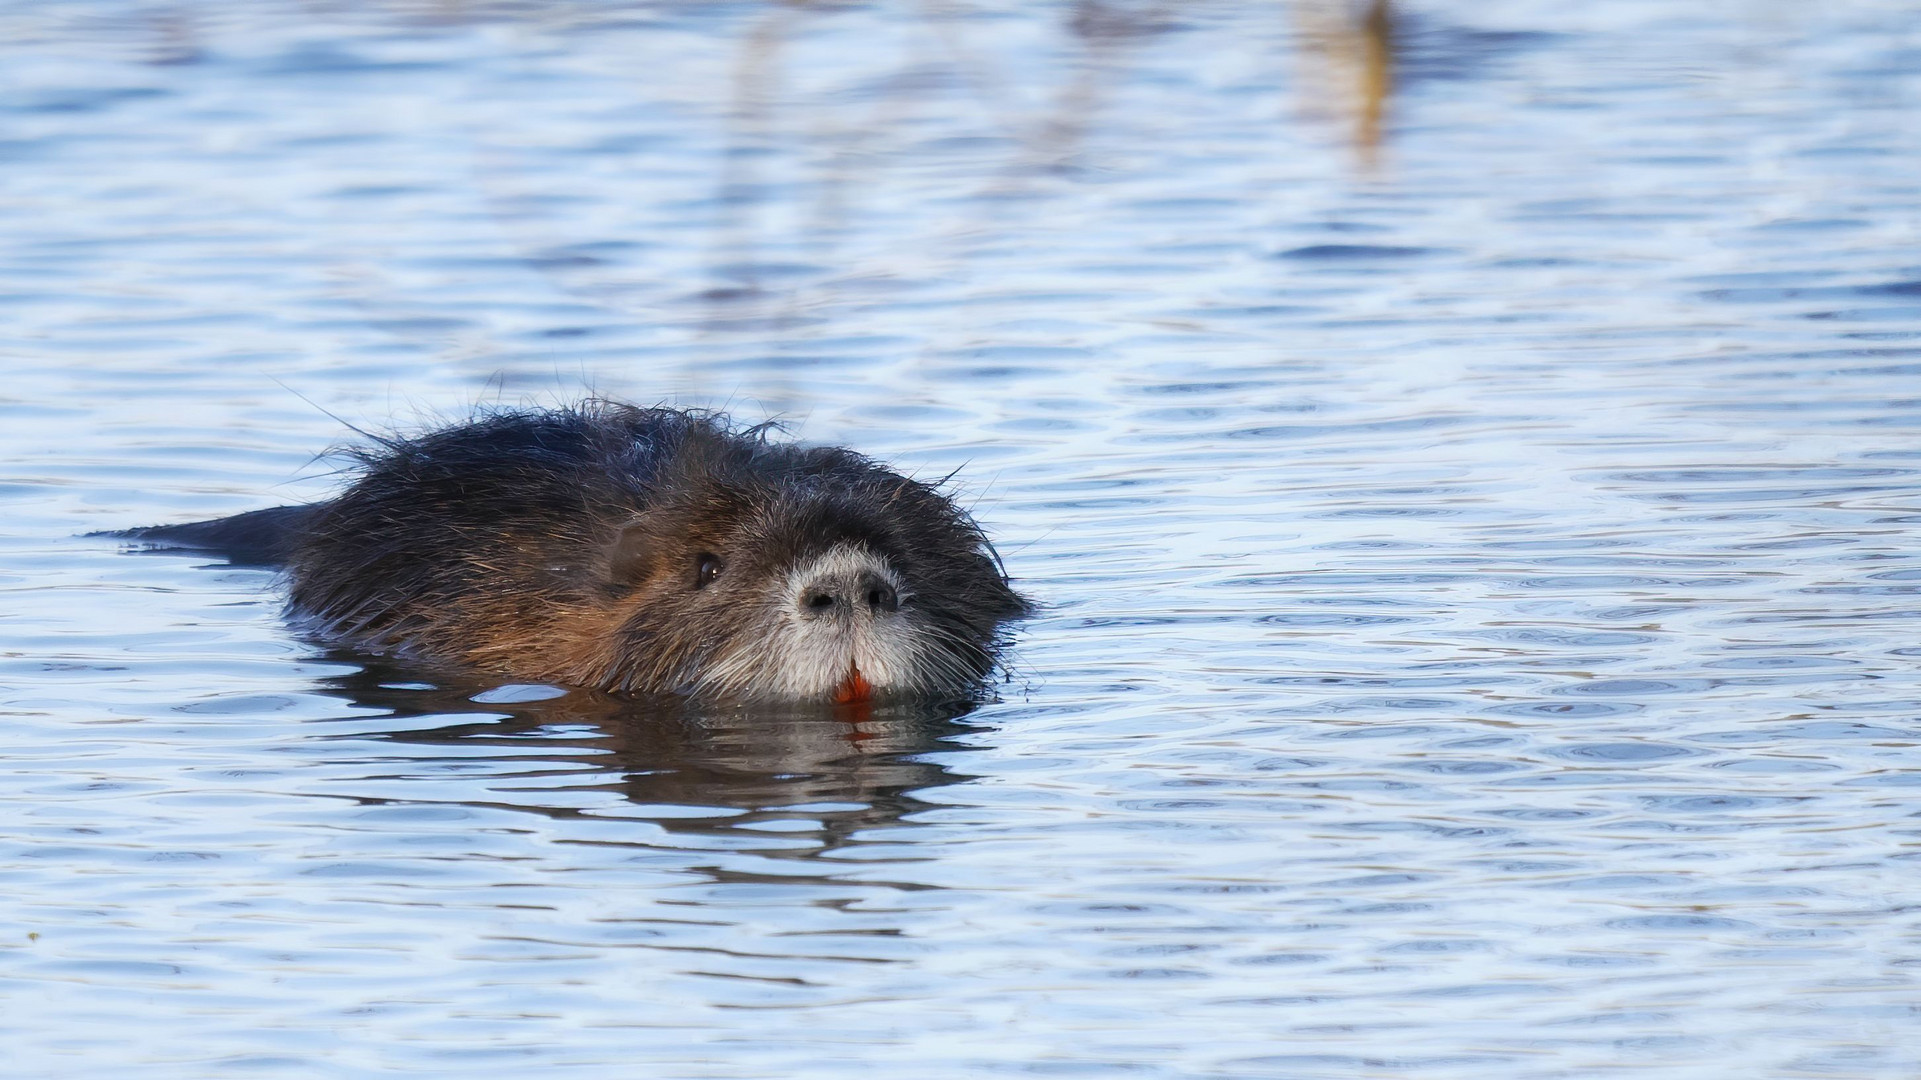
(1480, 569)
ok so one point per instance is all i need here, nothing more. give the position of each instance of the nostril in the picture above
(837, 593)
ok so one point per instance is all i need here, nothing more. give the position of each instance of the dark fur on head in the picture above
(646, 550)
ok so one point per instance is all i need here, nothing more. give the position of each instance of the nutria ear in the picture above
(630, 556)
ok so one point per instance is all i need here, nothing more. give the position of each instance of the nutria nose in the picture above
(848, 592)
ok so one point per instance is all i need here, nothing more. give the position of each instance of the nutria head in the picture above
(656, 551)
(799, 573)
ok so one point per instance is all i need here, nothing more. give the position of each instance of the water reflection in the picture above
(1484, 590)
(809, 780)
(1351, 53)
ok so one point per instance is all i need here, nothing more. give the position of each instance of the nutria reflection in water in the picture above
(667, 751)
(640, 551)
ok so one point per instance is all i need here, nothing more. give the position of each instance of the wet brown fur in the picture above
(564, 545)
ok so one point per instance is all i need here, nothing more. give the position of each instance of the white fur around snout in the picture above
(807, 655)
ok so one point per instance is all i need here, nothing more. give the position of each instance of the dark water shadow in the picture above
(825, 774)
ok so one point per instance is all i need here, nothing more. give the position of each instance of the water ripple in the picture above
(1476, 559)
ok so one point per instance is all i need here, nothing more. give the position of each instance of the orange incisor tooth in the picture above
(854, 688)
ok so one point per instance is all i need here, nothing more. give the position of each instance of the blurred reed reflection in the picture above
(1347, 52)
(826, 774)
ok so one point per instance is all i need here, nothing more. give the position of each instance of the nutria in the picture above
(639, 551)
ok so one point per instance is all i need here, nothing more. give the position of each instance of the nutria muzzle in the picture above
(847, 584)
(640, 550)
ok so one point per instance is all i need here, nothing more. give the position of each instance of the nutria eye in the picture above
(707, 570)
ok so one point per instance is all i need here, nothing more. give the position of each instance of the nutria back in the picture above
(642, 550)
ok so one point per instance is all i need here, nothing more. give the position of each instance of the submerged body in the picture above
(641, 550)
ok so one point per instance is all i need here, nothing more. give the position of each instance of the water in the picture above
(1480, 569)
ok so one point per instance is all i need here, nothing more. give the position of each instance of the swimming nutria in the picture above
(640, 550)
